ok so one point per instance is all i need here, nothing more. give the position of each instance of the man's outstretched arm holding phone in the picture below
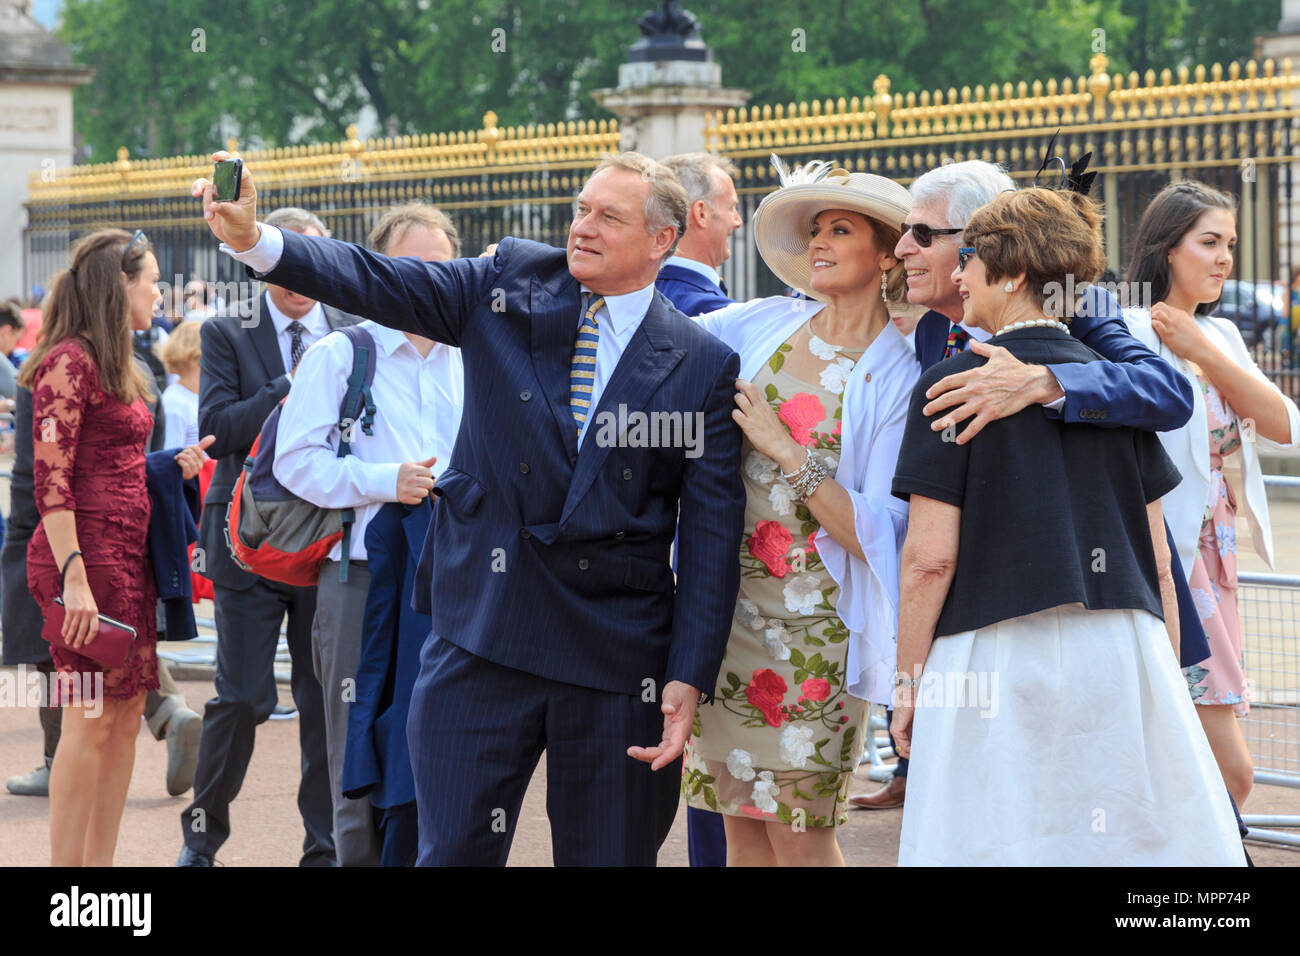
(433, 299)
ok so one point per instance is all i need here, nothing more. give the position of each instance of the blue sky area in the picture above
(47, 12)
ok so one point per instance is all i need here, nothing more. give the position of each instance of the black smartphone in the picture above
(226, 177)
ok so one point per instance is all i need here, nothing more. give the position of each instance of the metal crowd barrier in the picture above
(1269, 605)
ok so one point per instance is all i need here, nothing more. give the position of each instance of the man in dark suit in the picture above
(242, 376)
(557, 624)
(690, 278)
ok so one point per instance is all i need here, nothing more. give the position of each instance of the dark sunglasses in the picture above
(924, 235)
(139, 234)
(964, 255)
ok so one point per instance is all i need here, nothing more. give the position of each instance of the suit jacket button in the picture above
(525, 395)
(525, 533)
(627, 474)
(583, 564)
(523, 467)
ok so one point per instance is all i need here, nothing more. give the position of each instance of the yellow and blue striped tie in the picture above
(582, 375)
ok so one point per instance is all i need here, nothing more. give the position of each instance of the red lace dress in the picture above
(89, 459)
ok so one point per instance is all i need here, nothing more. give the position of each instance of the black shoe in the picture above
(190, 857)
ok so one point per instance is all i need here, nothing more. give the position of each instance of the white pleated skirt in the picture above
(1062, 738)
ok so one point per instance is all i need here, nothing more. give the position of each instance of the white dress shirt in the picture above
(618, 319)
(417, 415)
(314, 323)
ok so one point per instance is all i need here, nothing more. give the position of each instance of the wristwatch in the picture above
(902, 680)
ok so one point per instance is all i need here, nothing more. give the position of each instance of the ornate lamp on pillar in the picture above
(668, 86)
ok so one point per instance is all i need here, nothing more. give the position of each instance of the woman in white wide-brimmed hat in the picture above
(822, 398)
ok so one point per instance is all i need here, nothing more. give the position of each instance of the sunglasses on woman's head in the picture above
(139, 234)
(924, 235)
(964, 255)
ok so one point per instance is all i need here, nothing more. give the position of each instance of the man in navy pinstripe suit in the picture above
(594, 411)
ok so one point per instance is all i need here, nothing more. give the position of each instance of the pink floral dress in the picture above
(1213, 579)
(782, 736)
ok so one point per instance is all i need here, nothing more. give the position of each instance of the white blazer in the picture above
(876, 398)
(1189, 447)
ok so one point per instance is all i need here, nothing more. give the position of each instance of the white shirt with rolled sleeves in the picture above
(418, 404)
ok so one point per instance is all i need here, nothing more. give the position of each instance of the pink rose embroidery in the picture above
(800, 413)
(769, 543)
(814, 688)
(812, 544)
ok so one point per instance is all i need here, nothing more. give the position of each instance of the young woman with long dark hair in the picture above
(1183, 254)
(90, 424)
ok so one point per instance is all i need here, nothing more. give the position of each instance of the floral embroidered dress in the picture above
(89, 459)
(782, 736)
(1213, 579)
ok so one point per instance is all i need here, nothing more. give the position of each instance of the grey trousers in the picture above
(336, 652)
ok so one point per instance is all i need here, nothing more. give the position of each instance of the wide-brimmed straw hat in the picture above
(784, 217)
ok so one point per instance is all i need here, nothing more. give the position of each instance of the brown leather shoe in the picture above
(886, 798)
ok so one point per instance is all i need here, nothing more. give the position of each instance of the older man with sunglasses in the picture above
(1134, 387)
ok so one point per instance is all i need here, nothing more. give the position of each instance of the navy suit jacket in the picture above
(544, 559)
(241, 379)
(378, 761)
(1135, 387)
(689, 291)
(174, 503)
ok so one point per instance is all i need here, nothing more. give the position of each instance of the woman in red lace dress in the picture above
(90, 426)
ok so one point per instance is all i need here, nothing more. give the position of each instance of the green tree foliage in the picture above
(178, 76)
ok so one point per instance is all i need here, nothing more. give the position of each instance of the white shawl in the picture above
(874, 414)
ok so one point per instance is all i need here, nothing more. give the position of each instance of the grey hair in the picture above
(962, 188)
(666, 205)
(694, 172)
(295, 220)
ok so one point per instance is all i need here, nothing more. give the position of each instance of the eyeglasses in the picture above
(139, 234)
(924, 235)
(964, 255)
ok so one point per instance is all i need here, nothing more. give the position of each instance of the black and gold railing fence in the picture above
(1234, 127)
(493, 181)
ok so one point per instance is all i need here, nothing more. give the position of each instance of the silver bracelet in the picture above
(806, 478)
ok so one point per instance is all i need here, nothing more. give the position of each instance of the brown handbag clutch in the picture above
(109, 647)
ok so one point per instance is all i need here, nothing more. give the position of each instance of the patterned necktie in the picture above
(297, 346)
(582, 374)
(722, 284)
(957, 339)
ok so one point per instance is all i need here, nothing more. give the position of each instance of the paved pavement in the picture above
(268, 832)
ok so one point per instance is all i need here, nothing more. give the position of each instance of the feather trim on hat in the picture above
(819, 170)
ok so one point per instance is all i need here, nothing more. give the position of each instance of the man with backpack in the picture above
(247, 358)
(391, 452)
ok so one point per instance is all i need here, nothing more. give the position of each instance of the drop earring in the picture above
(884, 286)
